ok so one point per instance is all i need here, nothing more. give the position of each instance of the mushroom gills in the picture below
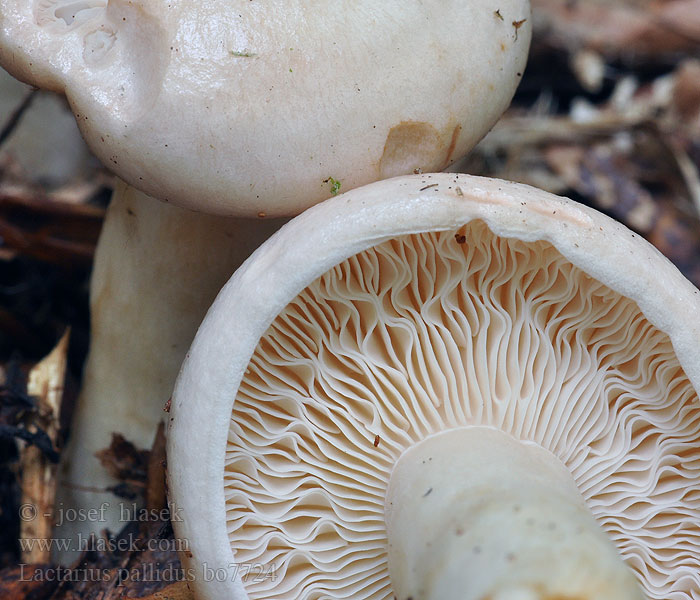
(447, 331)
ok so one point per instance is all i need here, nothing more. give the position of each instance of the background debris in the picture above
(46, 384)
(123, 461)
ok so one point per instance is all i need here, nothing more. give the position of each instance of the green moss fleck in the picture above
(335, 185)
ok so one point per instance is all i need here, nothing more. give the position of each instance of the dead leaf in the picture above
(38, 225)
(642, 31)
(25, 582)
(176, 591)
(126, 463)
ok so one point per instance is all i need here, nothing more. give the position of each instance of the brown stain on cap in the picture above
(410, 145)
(417, 146)
(451, 148)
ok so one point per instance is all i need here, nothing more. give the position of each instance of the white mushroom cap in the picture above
(281, 100)
(383, 316)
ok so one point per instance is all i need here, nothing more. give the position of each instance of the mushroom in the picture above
(220, 108)
(477, 390)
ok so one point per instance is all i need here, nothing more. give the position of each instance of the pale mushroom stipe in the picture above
(235, 110)
(478, 390)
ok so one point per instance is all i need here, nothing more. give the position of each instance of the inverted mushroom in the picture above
(477, 390)
(222, 108)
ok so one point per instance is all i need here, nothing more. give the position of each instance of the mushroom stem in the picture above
(474, 514)
(157, 269)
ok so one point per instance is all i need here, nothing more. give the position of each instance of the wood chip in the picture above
(46, 383)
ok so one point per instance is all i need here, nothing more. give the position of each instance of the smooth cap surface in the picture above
(247, 107)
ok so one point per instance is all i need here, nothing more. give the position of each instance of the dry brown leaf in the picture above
(39, 226)
(176, 591)
(21, 582)
(126, 463)
(635, 31)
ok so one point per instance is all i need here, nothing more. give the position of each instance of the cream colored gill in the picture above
(444, 330)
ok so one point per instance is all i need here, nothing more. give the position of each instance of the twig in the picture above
(16, 116)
